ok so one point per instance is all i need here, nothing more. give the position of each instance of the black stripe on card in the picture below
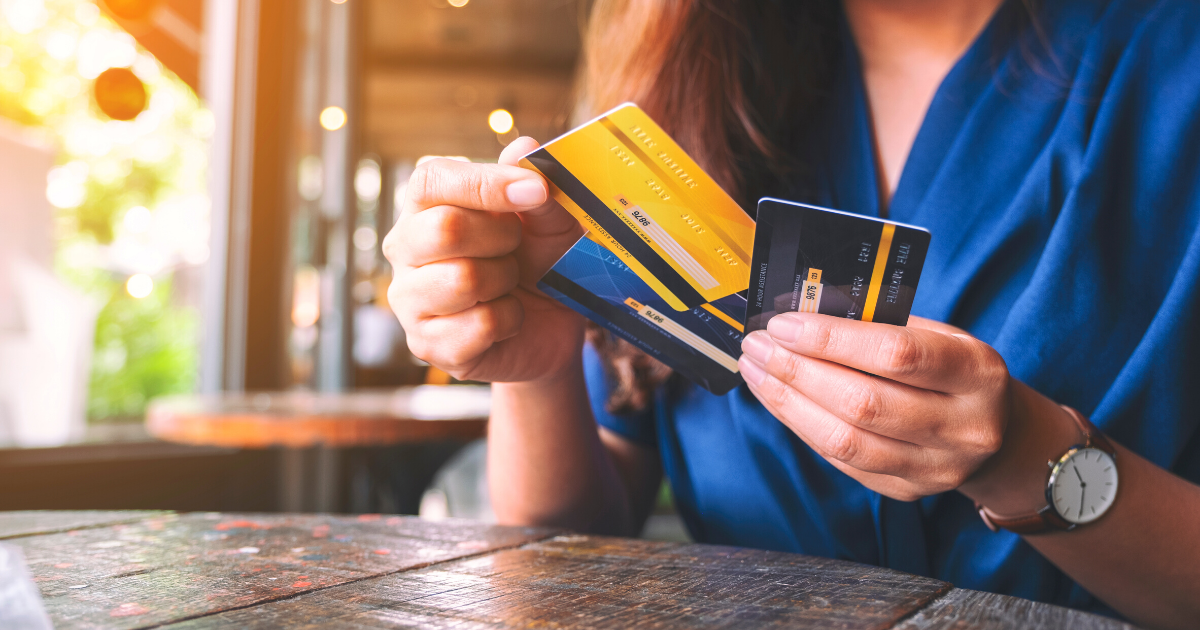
(602, 214)
(654, 341)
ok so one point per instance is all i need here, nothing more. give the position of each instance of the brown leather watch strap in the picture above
(1092, 436)
(1043, 520)
(1047, 518)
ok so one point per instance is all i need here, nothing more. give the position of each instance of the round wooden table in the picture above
(313, 428)
(304, 419)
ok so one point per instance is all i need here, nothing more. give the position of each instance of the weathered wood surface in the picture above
(33, 522)
(305, 419)
(204, 571)
(591, 582)
(174, 567)
(961, 609)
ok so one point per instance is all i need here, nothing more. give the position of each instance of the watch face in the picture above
(1083, 485)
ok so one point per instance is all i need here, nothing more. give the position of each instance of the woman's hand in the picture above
(907, 411)
(468, 249)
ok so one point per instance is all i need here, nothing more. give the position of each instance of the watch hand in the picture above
(1082, 489)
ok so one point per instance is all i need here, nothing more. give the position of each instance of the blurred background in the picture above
(192, 199)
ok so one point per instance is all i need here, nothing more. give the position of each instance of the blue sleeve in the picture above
(637, 427)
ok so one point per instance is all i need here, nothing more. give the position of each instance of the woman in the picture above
(1052, 149)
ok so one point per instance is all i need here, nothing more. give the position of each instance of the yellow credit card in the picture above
(644, 199)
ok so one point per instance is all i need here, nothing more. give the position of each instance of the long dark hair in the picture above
(730, 80)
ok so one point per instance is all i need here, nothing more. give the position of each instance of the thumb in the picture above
(549, 231)
(936, 326)
(516, 149)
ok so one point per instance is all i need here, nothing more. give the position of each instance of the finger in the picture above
(828, 435)
(887, 485)
(874, 404)
(448, 232)
(491, 187)
(517, 149)
(934, 325)
(454, 343)
(450, 286)
(930, 477)
(552, 219)
(916, 356)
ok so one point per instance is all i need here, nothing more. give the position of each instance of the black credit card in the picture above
(817, 260)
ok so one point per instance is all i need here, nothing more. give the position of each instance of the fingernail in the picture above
(526, 193)
(785, 328)
(752, 373)
(757, 347)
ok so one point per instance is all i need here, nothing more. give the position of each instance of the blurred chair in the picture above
(44, 369)
(460, 490)
(46, 328)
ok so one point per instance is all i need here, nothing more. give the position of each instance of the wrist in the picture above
(1013, 481)
(559, 374)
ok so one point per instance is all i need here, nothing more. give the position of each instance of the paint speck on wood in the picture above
(176, 571)
(407, 573)
(129, 609)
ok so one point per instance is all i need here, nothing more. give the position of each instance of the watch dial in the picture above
(1084, 486)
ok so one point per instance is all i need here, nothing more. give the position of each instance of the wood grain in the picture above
(962, 609)
(590, 582)
(33, 522)
(174, 567)
(202, 571)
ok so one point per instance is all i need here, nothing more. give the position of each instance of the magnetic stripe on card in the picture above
(599, 212)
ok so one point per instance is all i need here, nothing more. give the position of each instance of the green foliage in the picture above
(144, 349)
(48, 54)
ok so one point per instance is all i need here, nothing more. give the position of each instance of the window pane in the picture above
(104, 276)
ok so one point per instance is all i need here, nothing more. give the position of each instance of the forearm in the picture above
(1142, 558)
(546, 462)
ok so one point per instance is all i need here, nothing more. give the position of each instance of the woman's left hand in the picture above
(907, 411)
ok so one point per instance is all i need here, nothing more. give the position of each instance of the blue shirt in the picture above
(1060, 178)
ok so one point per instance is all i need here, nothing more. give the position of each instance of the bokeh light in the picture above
(137, 220)
(368, 181)
(139, 285)
(458, 3)
(66, 185)
(306, 296)
(120, 93)
(365, 238)
(500, 121)
(333, 118)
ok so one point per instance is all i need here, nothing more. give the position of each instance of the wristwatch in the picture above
(1081, 487)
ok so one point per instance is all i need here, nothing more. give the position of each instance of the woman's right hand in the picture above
(468, 249)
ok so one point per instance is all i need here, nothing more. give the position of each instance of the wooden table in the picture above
(304, 419)
(164, 570)
(322, 422)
